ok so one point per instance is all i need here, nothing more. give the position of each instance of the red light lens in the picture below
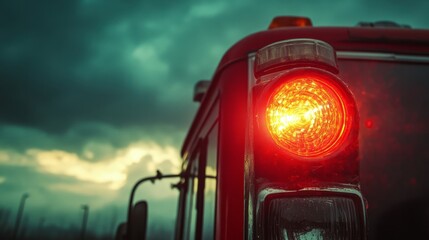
(306, 115)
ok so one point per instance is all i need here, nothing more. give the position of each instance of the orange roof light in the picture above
(287, 21)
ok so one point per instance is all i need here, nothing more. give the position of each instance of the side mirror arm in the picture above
(152, 179)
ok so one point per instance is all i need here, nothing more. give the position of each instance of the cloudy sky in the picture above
(95, 94)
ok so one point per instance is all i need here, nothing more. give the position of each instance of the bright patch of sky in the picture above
(2, 179)
(111, 171)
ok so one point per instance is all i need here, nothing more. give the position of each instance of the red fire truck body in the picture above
(380, 65)
(242, 181)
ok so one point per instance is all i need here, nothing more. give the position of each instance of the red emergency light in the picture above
(307, 111)
(307, 114)
(306, 160)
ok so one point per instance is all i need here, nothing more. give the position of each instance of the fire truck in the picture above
(308, 133)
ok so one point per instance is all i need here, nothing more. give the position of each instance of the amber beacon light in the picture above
(308, 111)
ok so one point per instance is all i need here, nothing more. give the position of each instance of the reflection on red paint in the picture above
(369, 123)
(413, 181)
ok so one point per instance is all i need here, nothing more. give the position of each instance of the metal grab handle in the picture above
(158, 176)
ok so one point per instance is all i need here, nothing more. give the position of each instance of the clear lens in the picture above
(292, 51)
(300, 218)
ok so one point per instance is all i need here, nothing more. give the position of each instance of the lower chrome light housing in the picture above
(314, 216)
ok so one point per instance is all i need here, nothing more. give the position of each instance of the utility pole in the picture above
(84, 220)
(40, 232)
(19, 215)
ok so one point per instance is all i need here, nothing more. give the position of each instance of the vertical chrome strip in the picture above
(248, 150)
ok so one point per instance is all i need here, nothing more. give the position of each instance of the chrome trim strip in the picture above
(382, 56)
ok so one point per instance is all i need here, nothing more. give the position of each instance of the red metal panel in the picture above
(394, 40)
(230, 81)
(233, 112)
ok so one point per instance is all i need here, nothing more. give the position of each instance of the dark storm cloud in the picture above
(100, 139)
(67, 62)
(62, 62)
